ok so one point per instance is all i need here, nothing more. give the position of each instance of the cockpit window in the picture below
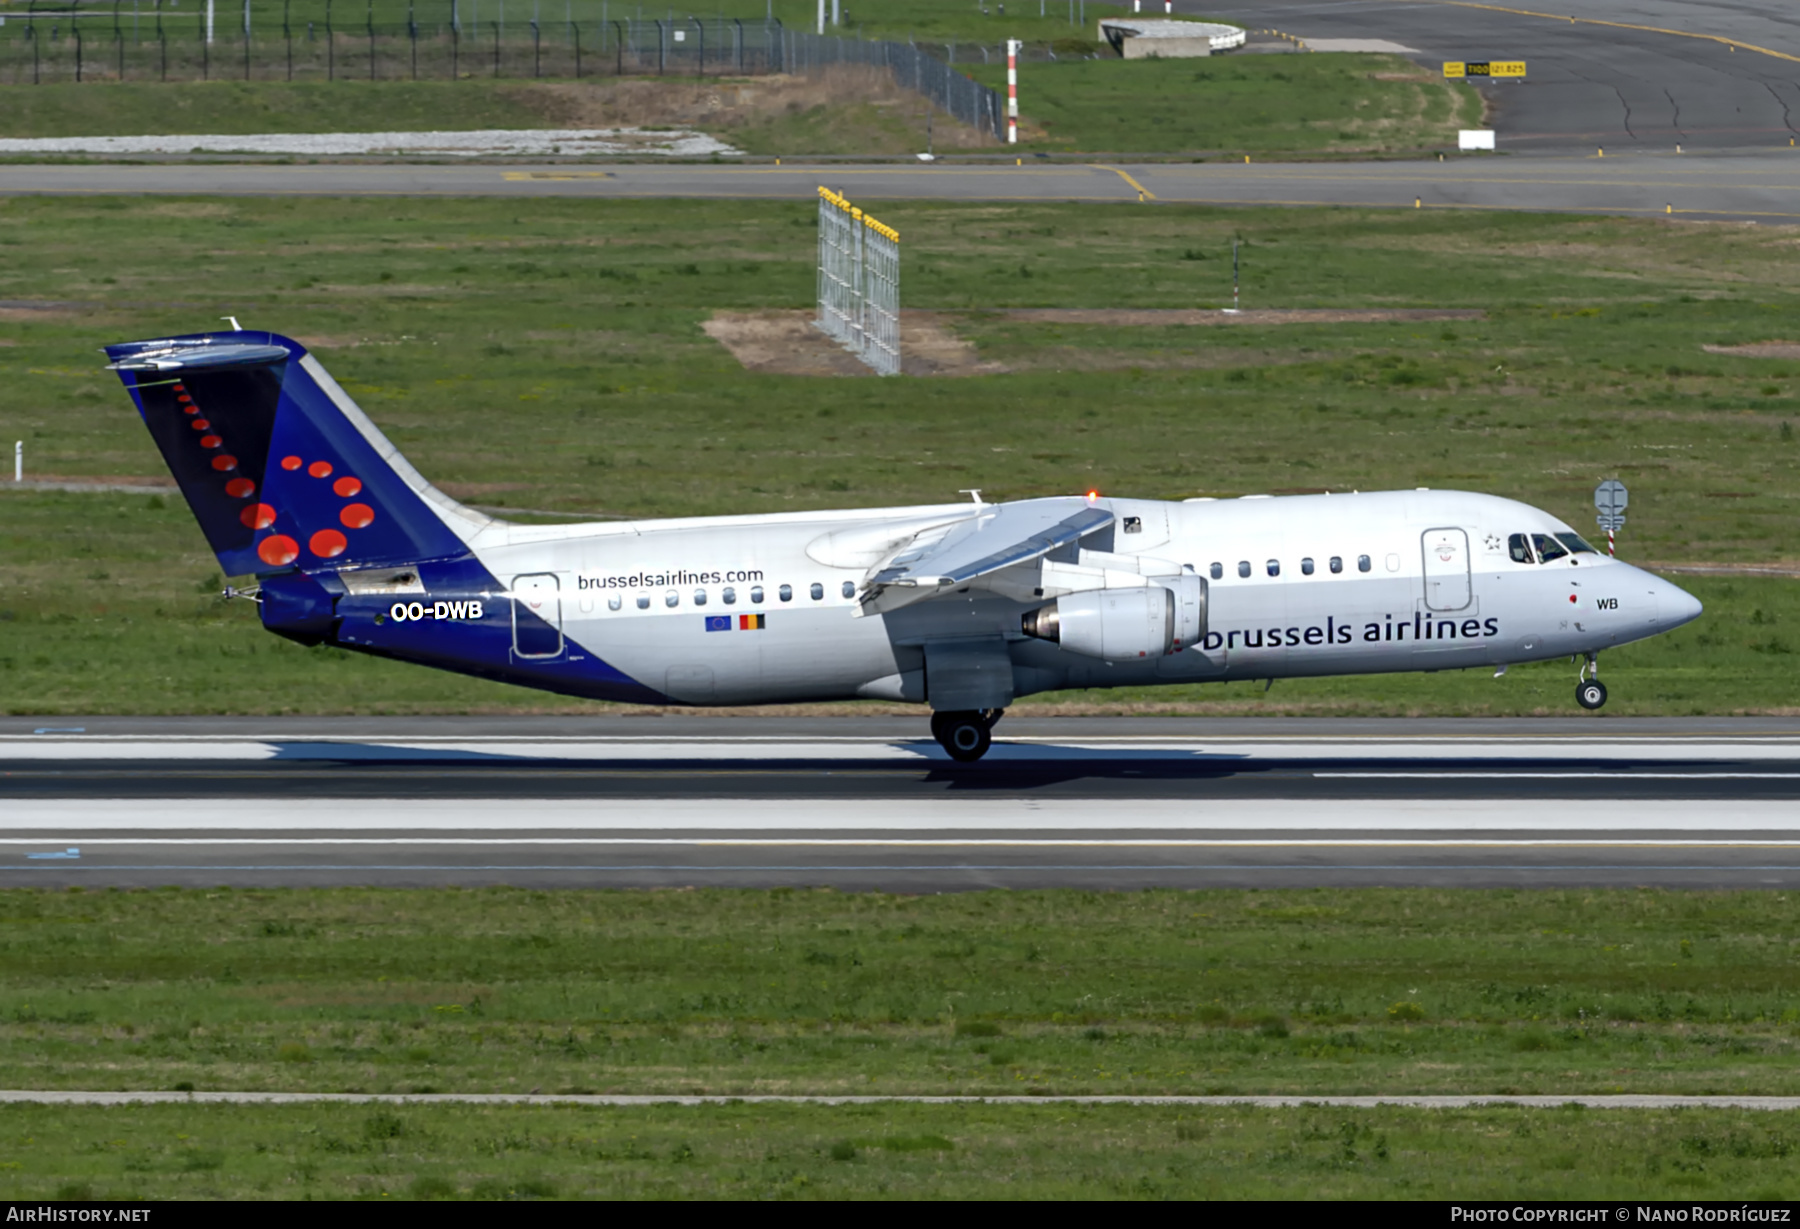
(1519, 548)
(1576, 543)
(1548, 547)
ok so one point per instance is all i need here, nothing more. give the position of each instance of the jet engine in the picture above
(1164, 616)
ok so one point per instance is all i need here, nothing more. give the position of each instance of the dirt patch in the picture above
(1139, 317)
(720, 105)
(787, 343)
(1759, 349)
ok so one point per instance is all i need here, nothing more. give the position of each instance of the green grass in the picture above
(929, 21)
(243, 107)
(737, 992)
(892, 1151)
(546, 354)
(1325, 103)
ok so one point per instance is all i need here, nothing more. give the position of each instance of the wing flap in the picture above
(1001, 536)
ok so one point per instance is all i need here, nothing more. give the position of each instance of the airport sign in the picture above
(1483, 68)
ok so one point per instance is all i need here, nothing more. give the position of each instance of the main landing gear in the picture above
(1590, 693)
(966, 736)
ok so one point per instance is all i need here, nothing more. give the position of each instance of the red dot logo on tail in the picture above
(211, 441)
(278, 550)
(257, 516)
(357, 516)
(319, 469)
(328, 543)
(347, 486)
(225, 463)
(240, 488)
(200, 424)
(290, 462)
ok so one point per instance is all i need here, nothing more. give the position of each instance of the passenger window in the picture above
(756, 595)
(699, 597)
(1306, 567)
(672, 598)
(1362, 563)
(1218, 571)
(614, 602)
(817, 591)
(1243, 567)
(1518, 548)
(848, 589)
(786, 593)
(643, 601)
(1274, 567)
(729, 597)
(1337, 564)
(1548, 547)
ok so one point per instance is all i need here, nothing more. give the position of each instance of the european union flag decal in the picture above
(718, 623)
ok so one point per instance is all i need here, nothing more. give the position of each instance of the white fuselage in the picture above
(736, 610)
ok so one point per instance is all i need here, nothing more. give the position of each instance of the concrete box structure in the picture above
(1140, 38)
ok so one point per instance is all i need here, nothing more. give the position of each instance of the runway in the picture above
(869, 804)
(1750, 186)
(1643, 75)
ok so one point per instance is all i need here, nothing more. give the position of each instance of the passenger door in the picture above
(537, 615)
(1446, 569)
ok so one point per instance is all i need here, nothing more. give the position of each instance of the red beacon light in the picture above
(1092, 496)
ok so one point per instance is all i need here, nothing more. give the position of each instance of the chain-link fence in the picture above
(859, 282)
(445, 40)
(88, 44)
(975, 105)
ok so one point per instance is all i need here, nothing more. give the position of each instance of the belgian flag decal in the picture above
(752, 623)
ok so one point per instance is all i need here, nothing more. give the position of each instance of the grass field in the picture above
(1326, 103)
(1259, 104)
(889, 1152)
(842, 112)
(547, 354)
(502, 990)
(929, 21)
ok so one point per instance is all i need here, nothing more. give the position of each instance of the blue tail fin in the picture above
(282, 469)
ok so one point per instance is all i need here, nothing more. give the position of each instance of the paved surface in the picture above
(871, 805)
(1763, 186)
(1618, 74)
(1625, 1101)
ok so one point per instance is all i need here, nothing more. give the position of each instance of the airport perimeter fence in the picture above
(94, 45)
(316, 40)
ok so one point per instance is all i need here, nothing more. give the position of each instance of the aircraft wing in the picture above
(1000, 536)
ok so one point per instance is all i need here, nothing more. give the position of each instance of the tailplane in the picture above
(283, 470)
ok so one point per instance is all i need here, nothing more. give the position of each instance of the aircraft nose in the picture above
(1675, 605)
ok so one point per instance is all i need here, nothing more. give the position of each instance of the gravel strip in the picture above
(493, 142)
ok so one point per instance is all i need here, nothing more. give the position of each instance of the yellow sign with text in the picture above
(1483, 68)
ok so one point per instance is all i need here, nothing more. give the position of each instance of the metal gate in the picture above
(1446, 569)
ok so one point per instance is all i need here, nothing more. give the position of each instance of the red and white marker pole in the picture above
(1013, 46)
(1610, 544)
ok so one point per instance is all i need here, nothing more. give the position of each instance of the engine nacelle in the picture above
(1166, 616)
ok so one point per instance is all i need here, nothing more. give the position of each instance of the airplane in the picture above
(962, 606)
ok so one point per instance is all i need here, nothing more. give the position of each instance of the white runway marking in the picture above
(59, 819)
(635, 748)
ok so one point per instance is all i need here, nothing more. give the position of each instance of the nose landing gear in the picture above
(965, 736)
(1590, 693)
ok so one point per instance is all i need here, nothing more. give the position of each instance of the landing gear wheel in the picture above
(965, 736)
(1590, 694)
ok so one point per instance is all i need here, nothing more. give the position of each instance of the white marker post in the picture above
(1013, 47)
(19, 461)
